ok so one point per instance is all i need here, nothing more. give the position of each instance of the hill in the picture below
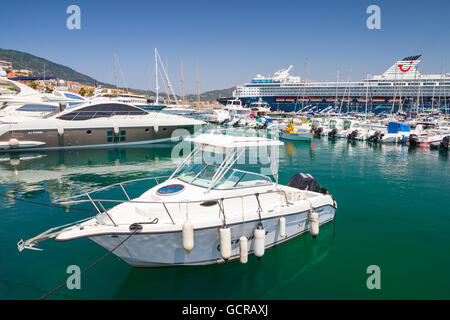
(23, 60)
(212, 95)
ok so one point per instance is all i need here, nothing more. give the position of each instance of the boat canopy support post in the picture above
(191, 155)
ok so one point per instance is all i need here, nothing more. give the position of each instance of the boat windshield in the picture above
(202, 175)
(332, 124)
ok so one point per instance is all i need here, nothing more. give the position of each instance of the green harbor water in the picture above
(393, 212)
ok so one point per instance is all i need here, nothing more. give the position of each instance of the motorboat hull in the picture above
(72, 138)
(166, 248)
(297, 136)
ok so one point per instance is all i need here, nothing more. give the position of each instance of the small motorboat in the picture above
(423, 139)
(297, 134)
(204, 213)
(442, 145)
(397, 132)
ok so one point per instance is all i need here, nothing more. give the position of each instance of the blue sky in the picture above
(231, 40)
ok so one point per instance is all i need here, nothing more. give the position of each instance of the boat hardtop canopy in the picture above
(221, 143)
(232, 147)
(395, 127)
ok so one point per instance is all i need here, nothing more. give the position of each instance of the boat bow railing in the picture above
(98, 205)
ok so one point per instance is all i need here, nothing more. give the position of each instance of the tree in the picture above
(47, 89)
(33, 85)
(90, 93)
(82, 92)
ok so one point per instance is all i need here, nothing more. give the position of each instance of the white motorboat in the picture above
(25, 101)
(397, 132)
(93, 124)
(260, 107)
(296, 133)
(203, 213)
(235, 107)
(218, 116)
(424, 139)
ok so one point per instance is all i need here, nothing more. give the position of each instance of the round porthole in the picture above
(147, 129)
(170, 189)
(88, 131)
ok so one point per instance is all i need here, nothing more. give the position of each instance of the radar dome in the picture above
(2, 73)
(61, 83)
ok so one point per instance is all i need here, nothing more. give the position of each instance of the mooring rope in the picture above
(86, 269)
(43, 204)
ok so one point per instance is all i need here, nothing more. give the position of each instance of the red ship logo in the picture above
(405, 70)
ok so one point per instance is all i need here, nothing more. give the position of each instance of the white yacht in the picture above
(22, 100)
(236, 108)
(203, 213)
(134, 99)
(92, 124)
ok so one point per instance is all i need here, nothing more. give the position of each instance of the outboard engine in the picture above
(376, 136)
(332, 133)
(318, 132)
(413, 139)
(445, 142)
(352, 135)
(305, 181)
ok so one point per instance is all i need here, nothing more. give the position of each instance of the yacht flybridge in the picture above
(204, 213)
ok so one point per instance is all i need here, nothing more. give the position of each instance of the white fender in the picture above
(313, 223)
(188, 235)
(116, 128)
(60, 130)
(259, 241)
(225, 243)
(282, 226)
(243, 249)
(13, 142)
(156, 128)
(14, 162)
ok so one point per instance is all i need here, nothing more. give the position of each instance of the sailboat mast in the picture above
(156, 71)
(115, 70)
(367, 93)
(182, 83)
(198, 88)
(168, 82)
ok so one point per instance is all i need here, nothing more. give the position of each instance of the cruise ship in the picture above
(401, 88)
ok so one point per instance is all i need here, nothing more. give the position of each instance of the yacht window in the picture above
(102, 111)
(72, 96)
(37, 107)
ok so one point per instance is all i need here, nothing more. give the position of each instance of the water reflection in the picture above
(65, 173)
